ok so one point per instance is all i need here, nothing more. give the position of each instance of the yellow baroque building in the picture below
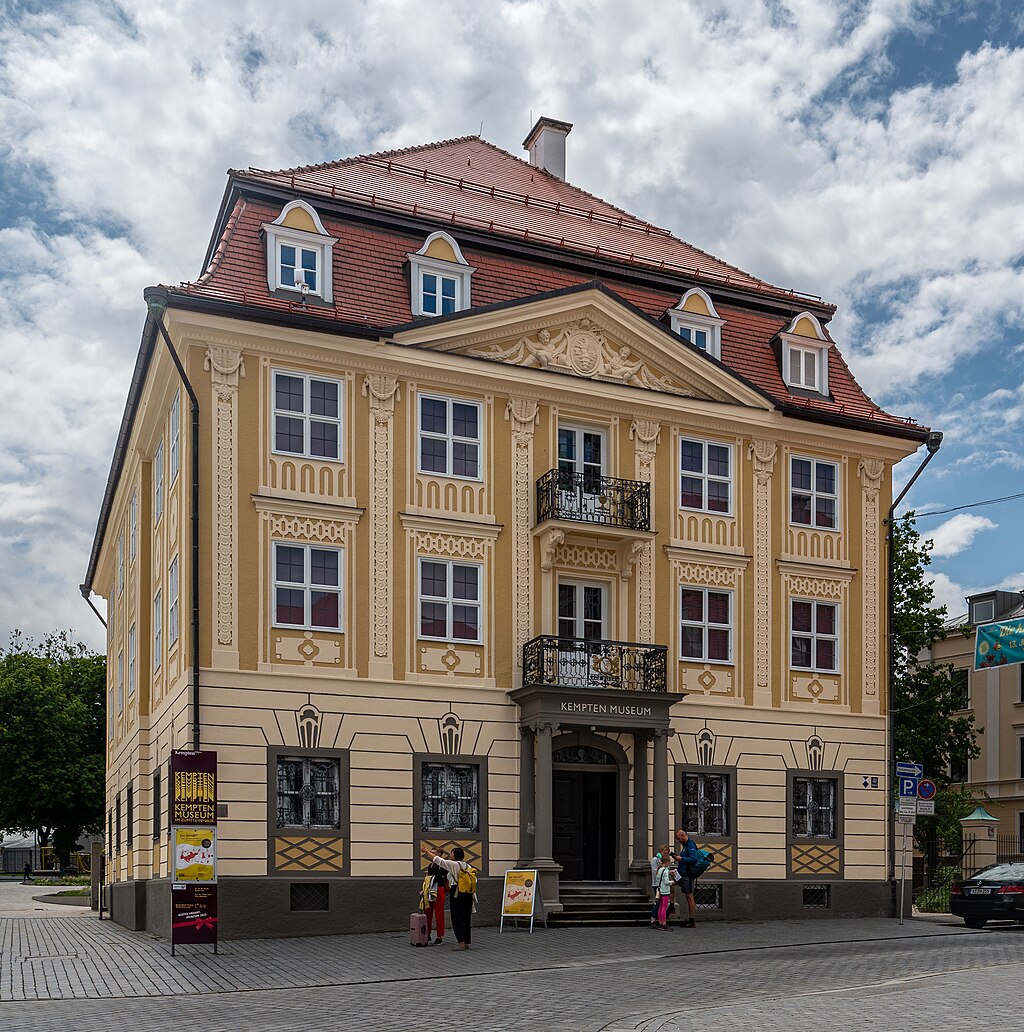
(512, 521)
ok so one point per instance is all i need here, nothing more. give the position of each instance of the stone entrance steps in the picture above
(602, 903)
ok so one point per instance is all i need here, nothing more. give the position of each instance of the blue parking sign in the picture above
(908, 788)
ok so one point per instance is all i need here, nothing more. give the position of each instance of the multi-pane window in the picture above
(117, 822)
(298, 267)
(130, 813)
(307, 416)
(120, 682)
(132, 664)
(120, 562)
(705, 476)
(705, 803)
(158, 630)
(308, 792)
(449, 437)
(439, 294)
(451, 797)
(961, 687)
(175, 456)
(692, 335)
(111, 619)
(110, 714)
(813, 493)
(814, 636)
(804, 367)
(172, 602)
(449, 600)
(307, 586)
(157, 800)
(1020, 757)
(705, 625)
(958, 766)
(133, 526)
(814, 808)
(158, 483)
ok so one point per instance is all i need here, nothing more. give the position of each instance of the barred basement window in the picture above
(817, 897)
(308, 792)
(451, 797)
(309, 896)
(707, 896)
(706, 804)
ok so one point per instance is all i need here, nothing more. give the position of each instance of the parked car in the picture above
(995, 893)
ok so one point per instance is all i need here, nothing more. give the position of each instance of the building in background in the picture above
(523, 526)
(996, 698)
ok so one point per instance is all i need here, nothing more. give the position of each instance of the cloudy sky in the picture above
(871, 152)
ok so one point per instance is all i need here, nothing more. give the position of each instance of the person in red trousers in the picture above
(433, 898)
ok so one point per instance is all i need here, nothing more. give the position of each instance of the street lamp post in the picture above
(933, 442)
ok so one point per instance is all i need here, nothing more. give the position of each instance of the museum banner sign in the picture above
(999, 644)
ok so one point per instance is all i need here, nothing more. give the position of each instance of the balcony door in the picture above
(581, 465)
(581, 616)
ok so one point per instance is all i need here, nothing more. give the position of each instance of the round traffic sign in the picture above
(926, 789)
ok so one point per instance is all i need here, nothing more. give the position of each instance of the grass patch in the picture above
(72, 892)
(74, 879)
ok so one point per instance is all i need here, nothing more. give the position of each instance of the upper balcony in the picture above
(550, 661)
(589, 498)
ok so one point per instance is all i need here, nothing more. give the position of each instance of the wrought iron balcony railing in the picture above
(589, 498)
(583, 663)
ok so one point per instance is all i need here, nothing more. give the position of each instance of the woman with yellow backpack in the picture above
(461, 893)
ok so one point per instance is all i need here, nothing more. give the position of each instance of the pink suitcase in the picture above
(418, 935)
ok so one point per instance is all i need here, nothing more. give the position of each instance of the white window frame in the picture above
(459, 270)
(814, 493)
(132, 662)
(449, 601)
(975, 606)
(120, 563)
(682, 320)
(306, 416)
(175, 436)
(319, 242)
(706, 625)
(795, 344)
(111, 618)
(172, 602)
(307, 587)
(133, 526)
(120, 681)
(450, 438)
(813, 636)
(706, 477)
(158, 630)
(158, 483)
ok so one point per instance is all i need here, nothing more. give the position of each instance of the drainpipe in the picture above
(932, 443)
(156, 300)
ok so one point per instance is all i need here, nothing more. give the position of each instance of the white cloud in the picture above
(957, 534)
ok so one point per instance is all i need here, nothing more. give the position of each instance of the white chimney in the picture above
(546, 144)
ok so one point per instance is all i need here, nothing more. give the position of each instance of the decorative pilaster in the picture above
(522, 414)
(226, 368)
(547, 870)
(659, 777)
(641, 842)
(647, 435)
(763, 454)
(870, 472)
(527, 797)
(383, 393)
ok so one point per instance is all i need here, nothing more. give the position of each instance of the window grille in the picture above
(581, 754)
(707, 896)
(130, 808)
(309, 896)
(706, 804)
(451, 797)
(814, 808)
(308, 793)
(817, 897)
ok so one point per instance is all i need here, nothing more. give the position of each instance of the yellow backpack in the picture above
(467, 879)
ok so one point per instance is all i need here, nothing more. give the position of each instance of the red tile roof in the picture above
(506, 196)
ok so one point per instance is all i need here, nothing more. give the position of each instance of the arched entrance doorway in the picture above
(585, 809)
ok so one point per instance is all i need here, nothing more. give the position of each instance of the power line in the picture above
(969, 505)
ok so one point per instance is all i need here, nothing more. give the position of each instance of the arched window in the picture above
(695, 320)
(440, 277)
(299, 253)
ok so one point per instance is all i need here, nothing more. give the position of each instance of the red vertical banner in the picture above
(192, 786)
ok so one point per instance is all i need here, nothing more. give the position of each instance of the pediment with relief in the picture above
(582, 349)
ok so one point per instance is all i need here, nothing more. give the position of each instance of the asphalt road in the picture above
(74, 974)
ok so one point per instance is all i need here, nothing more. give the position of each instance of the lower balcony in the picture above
(550, 661)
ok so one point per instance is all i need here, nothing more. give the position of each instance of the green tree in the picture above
(924, 698)
(52, 739)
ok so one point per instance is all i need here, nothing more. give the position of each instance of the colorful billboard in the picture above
(999, 644)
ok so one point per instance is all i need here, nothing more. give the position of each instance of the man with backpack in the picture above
(690, 863)
(461, 893)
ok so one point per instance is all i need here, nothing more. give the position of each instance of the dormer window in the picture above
(440, 277)
(805, 355)
(299, 253)
(695, 320)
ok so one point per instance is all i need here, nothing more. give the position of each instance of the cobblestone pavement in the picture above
(87, 976)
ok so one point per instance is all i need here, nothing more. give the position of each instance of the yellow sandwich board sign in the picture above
(519, 896)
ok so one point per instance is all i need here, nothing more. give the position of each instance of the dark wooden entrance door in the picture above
(585, 823)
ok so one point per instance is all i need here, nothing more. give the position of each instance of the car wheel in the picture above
(975, 922)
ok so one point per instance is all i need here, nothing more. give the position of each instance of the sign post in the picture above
(908, 776)
(519, 896)
(193, 828)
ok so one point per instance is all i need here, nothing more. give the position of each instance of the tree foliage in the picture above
(52, 739)
(927, 726)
